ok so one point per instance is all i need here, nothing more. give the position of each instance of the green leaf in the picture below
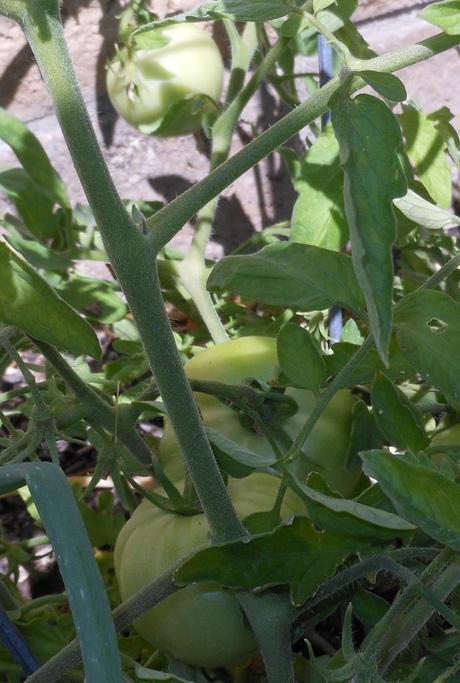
(336, 15)
(239, 454)
(295, 555)
(33, 157)
(254, 10)
(37, 254)
(442, 118)
(46, 634)
(424, 213)
(366, 370)
(348, 517)
(370, 144)
(34, 207)
(150, 40)
(368, 607)
(96, 298)
(84, 586)
(428, 330)
(426, 149)
(299, 358)
(351, 333)
(318, 5)
(29, 303)
(420, 494)
(387, 85)
(318, 216)
(102, 523)
(396, 416)
(352, 38)
(446, 15)
(293, 275)
(365, 434)
(237, 10)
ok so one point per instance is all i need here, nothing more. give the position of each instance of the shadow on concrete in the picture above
(231, 226)
(20, 64)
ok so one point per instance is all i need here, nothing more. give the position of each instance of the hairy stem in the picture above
(134, 266)
(402, 633)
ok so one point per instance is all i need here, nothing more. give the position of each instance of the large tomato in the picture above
(201, 624)
(234, 362)
(156, 89)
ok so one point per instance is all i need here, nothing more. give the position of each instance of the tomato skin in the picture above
(235, 361)
(144, 84)
(201, 624)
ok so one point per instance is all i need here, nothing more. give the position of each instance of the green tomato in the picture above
(201, 624)
(167, 88)
(234, 362)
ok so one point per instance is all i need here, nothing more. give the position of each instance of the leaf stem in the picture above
(442, 273)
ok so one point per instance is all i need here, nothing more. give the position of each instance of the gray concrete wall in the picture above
(151, 168)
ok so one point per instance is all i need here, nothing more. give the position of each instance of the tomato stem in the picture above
(193, 269)
(134, 266)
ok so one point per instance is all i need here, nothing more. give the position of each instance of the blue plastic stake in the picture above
(16, 644)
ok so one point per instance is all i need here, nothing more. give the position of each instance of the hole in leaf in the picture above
(437, 326)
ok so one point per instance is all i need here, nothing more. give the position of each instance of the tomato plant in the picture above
(359, 284)
(166, 90)
(246, 358)
(184, 624)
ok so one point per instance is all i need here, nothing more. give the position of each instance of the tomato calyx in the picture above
(165, 81)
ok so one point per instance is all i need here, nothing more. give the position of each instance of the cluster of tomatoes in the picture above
(184, 624)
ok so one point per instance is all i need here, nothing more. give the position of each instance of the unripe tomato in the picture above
(201, 624)
(155, 90)
(235, 361)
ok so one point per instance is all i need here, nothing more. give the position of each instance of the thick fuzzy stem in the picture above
(133, 264)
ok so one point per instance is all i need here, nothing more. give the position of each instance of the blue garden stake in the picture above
(16, 644)
(326, 73)
(326, 70)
